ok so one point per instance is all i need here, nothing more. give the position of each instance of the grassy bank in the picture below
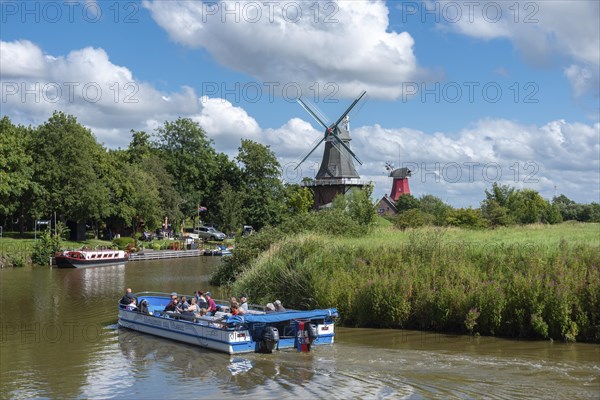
(533, 281)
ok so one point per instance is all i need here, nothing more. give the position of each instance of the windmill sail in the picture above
(337, 160)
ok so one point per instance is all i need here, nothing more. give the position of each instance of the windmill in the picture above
(337, 174)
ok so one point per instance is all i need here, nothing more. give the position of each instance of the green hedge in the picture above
(123, 242)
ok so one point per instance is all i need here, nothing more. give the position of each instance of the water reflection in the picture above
(217, 372)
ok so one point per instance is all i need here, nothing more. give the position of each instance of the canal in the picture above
(59, 340)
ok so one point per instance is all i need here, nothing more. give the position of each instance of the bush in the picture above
(123, 242)
(17, 261)
(413, 218)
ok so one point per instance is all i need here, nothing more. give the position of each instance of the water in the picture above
(59, 340)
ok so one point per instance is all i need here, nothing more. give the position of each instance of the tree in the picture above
(228, 172)
(361, 207)
(15, 165)
(466, 218)
(66, 158)
(406, 202)
(569, 210)
(230, 209)
(299, 200)
(495, 206)
(552, 214)
(263, 191)
(495, 213)
(140, 147)
(190, 158)
(144, 198)
(527, 206)
(433, 205)
(413, 218)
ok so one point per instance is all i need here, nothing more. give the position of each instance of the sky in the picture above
(464, 93)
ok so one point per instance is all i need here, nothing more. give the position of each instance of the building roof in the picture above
(400, 173)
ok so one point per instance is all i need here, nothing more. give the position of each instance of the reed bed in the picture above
(527, 282)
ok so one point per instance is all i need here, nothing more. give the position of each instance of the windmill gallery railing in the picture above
(336, 182)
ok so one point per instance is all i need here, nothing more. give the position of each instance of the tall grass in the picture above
(546, 287)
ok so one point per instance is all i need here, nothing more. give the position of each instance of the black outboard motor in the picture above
(311, 332)
(269, 339)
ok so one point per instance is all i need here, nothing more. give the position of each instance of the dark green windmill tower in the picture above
(337, 174)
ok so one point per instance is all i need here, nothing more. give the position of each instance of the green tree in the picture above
(190, 158)
(413, 218)
(466, 218)
(299, 200)
(168, 197)
(496, 214)
(527, 206)
(228, 172)
(15, 165)
(361, 207)
(66, 158)
(552, 214)
(230, 209)
(406, 202)
(495, 206)
(140, 147)
(567, 207)
(144, 198)
(263, 190)
(433, 205)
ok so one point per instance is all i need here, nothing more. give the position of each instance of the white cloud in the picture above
(558, 153)
(345, 42)
(546, 32)
(458, 167)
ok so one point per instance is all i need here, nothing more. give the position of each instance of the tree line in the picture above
(60, 167)
(503, 206)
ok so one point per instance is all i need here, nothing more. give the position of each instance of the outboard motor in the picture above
(311, 332)
(269, 339)
(306, 334)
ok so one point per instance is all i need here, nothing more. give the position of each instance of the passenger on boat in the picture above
(270, 308)
(278, 306)
(131, 306)
(193, 308)
(126, 299)
(212, 306)
(143, 308)
(172, 306)
(183, 304)
(243, 304)
(235, 309)
(203, 312)
(202, 303)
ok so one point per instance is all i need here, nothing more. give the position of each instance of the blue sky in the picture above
(168, 55)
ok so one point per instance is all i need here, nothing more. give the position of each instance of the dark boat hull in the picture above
(68, 262)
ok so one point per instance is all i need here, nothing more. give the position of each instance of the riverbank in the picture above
(535, 281)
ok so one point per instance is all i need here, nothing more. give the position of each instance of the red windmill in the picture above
(400, 185)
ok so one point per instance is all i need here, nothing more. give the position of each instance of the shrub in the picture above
(123, 242)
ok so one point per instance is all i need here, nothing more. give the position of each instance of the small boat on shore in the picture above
(257, 331)
(220, 251)
(90, 258)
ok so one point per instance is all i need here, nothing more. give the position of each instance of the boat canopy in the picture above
(282, 316)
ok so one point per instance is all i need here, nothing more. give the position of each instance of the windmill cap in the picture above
(208, 294)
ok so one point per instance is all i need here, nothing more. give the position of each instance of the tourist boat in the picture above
(257, 331)
(90, 258)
